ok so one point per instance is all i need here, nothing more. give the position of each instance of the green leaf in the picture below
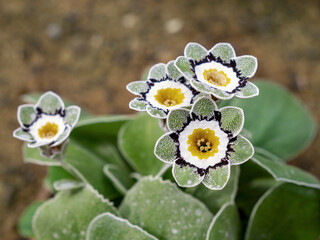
(165, 148)
(182, 216)
(32, 155)
(119, 176)
(214, 200)
(232, 119)
(68, 214)
(286, 211)
(100, 129)
(277, 121)
(67, 184)
(110, 227)
(56, 173)
(89, 168)
(247, 65)
(25, 221)
(136, 141)
(204, 107)
(177, 118)
(225, 224)
(223, 50)
(195, 51)
(283, 172)
(254, 181)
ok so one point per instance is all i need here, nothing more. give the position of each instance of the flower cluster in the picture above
(201, 143)
(47, 124)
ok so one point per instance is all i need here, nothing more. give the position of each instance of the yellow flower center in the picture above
(48, 131)
(169, 96)
(203, 143)
(217, 78)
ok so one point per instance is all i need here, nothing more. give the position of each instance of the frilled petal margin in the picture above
(204, 107)
(158, 71)
(248, 91)
(183, 64)
(138, 104)
(177, 119)
(165, 148)
(50, 103)
(186, 176)
(156, 113)
(232, 119)
(202, 87)
(26, 114)
(247, 65)
(195, 51)
(217, 177)
(243, 151)
(22, 135)
(138, 87)
(72, 114)
(224, 51)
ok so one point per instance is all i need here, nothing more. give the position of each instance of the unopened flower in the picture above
(203, 143)
(218, 71)
(47, 123)
(165, 89)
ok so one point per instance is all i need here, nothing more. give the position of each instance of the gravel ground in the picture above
(88, 50)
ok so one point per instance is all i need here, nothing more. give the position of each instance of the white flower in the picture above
(47, 122)
(165, 89)
(203, 143)
(218, 71)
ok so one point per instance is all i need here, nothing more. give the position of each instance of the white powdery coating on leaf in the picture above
(150, 96)
(42, 121)
(234, 80)
(194, 160)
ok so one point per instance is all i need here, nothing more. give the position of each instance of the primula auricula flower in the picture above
(165, 89)
(47, 123)
(203, 143)
(218, 71)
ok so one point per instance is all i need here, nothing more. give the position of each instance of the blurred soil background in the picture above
(88, 50)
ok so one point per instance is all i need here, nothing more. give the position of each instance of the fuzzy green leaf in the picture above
(68, 214)
(182, 216)
(186, 176)
(136, 141)
(243, 151)
(226, 224)
(277, 121)
(25, 221)
(110, 227)
(204, 107)
(294, 209)
(217, 178)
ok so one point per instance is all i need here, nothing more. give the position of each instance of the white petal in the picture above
(150, 96)
(211, 161)
(234, 80)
